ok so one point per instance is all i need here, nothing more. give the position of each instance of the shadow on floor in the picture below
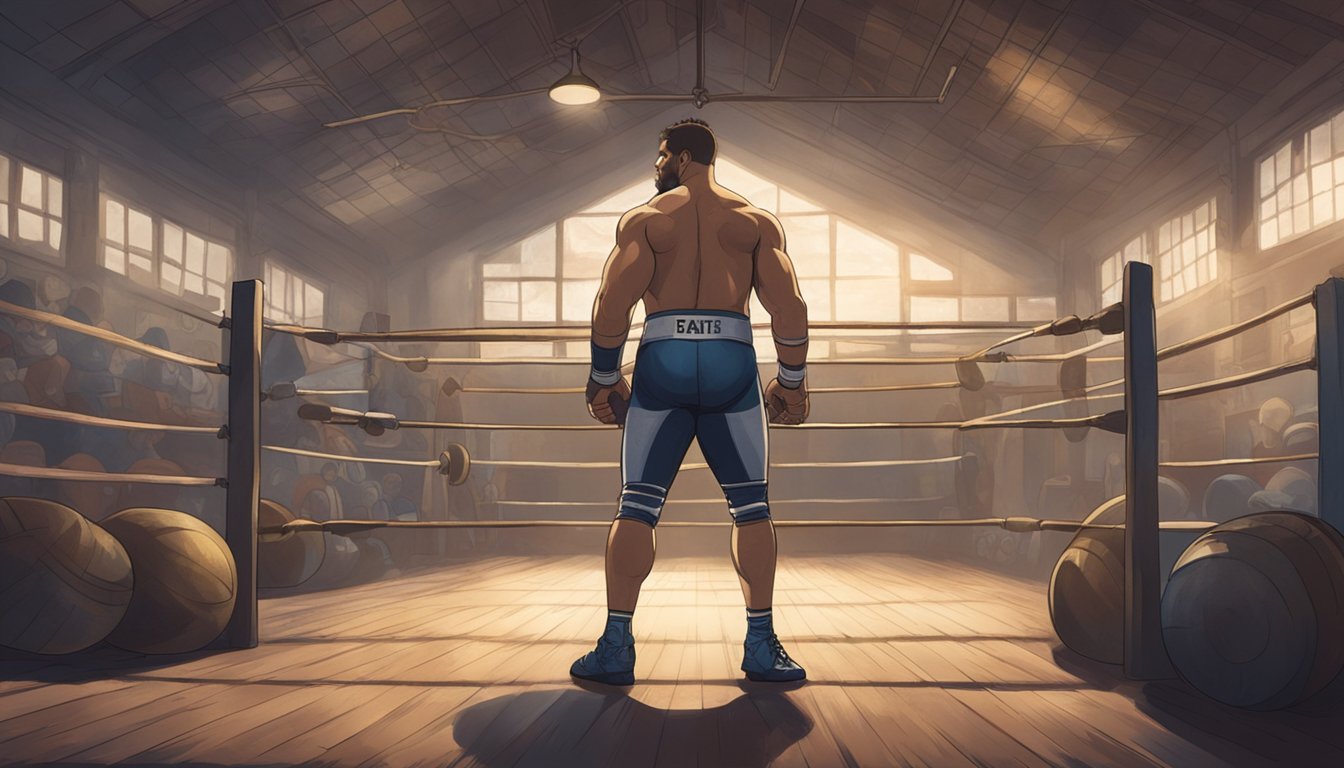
(98, 663)
(605, 726)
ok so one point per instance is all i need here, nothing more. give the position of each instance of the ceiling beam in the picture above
(1189, 17)
(778, 66)
(92, 65)
(937, 43)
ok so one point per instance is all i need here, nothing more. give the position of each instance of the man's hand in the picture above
(608, 404)
(784, 405)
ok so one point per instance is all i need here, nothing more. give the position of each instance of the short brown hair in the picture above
(690, 135)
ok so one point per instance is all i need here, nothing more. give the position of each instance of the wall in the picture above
(1250, 280)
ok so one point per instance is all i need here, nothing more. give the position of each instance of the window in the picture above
(293, 299)
(845, 272)
(1301, 185)
(1187, 251)
(38, 212)
(1113, 268)
(1035, 308)
(975, 309)
(127, 241)
(192, 264)
(182, 262)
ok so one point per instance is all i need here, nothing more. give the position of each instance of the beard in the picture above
(667, 181)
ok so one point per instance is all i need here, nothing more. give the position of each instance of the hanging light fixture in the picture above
(575, 88)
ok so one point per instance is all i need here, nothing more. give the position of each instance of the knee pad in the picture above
(642, 502)
(747, 502)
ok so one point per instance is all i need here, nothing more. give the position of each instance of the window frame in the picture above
(1297, 142)
(271, 263)
(14, 204)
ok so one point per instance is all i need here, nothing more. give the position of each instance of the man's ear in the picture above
(683, 158)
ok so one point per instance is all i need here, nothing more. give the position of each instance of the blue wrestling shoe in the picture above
(765, 661)
(613, 661)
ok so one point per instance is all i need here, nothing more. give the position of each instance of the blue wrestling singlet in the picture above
(695, 377)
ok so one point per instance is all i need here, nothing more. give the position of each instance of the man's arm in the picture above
(777, 287)
(625, 278)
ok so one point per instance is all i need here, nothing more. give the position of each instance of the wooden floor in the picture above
(911, 662)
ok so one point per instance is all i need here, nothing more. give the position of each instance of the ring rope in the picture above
(435, 463)
(116, 339)
(1232, 330)
(86, 475)
(1240, 462)
(992, 357)
(55, 414)
(1103, 421)
(1014, 524)
(350, 459)
(1240, 379)
(319, 392)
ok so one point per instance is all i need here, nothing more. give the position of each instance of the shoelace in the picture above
(781, 656)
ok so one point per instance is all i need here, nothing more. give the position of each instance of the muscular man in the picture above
(693, 254)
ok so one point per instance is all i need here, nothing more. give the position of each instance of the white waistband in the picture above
(697, 327)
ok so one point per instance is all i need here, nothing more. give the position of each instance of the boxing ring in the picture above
(1129, 406)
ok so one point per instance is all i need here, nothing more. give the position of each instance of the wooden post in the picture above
(1330, 400)
(240, 526)
(1145, 654)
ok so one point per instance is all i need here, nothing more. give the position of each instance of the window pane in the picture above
(633, 195)
(195, 256)
(928, 309)
(30, 189)
(926, 269)
(501, 290)
(588, 242)
(279, 288)
(1267, 177)
(495, 310)
(172, 243)
(1318, 144)
(114, 221)
(54, 234)
(314, 304)
(578, 300)
(170, 278)
(860, 254)
(538, 301)
(817, 293)
(1033, 308)
(4, 179)
(791, 203)
(756, 190)
(54, 196)
(193, 283)
(978, 309)
(4, 219)
(140, 230)
(876, 299)
(500, 270)
(217, 262)
(30, 226)
(114, 259)
(807, 240)
(537, 257)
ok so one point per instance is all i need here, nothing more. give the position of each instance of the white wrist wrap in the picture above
(791, 378)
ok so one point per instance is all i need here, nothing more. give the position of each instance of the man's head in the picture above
(680, 144)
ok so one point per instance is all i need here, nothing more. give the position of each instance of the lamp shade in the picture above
(575, 88)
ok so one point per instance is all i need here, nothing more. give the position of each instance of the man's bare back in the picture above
(703, 249)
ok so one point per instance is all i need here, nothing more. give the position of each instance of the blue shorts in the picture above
(698, 380)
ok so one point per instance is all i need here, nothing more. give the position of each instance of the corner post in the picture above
(1145, 654)
(244, 457)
